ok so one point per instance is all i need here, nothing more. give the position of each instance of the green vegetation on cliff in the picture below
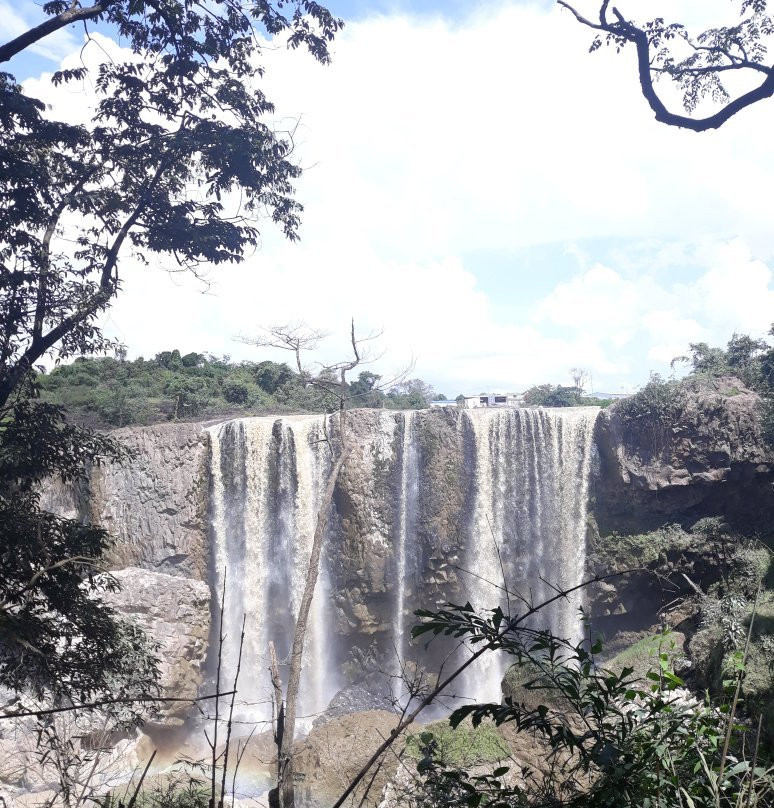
(751, 360)
(109, 391)
(550, 395)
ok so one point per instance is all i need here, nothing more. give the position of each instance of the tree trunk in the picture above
(285, 784)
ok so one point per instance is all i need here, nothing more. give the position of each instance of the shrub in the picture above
(618, 742)
(236, 391)
(463, 745)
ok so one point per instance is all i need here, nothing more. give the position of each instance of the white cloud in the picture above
(428, 143)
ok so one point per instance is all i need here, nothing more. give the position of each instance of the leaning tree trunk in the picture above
(286, 723)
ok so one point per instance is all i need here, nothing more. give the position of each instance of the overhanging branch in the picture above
(626, 31)
(75, 14)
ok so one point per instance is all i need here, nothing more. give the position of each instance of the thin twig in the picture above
(231, 712)
(106, 702)
(142, 777)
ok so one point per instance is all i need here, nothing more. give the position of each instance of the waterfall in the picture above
(405, 540)
(520, 520)
(267, 476)
(527, 519)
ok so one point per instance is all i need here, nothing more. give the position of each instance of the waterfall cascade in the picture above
(528, 520)
(266, 479)
(522, 521)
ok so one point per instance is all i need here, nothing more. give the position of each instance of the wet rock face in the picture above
(444, 487)
(174, 612)
(155, 504)
(661, 484)
(361, 558)
(364, 558)
(705, 458)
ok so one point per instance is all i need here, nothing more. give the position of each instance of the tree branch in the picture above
(105, 291)
(623, 29)
(106, 702)
(75, 14)
(40, 573)
(409, 719)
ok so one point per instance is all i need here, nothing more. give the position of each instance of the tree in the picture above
(580, 378)
(183, 111)
(176, 161)
(549, 395)
(364, 391)
(57, 637)
(413, 394)
(332, 381)
(699, 65)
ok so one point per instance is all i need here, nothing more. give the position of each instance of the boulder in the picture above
(175, 614)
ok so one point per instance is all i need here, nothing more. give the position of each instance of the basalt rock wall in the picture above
(421, 499)
(670, 493)
(707, 457)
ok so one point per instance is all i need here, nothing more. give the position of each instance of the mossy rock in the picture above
(713, 665)
(644, 655)
(515, 688)
(464, 746)
(620, 552)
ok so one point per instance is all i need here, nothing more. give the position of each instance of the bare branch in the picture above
(623, 31)
(583, 20)
(105, 702)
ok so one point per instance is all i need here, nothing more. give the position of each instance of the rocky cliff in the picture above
(155, 505)
(414, 481)
(685, 490)
(697, 452)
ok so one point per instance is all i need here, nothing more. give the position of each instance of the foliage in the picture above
(751, 360)
(463, 745)
(549, 395)
(104, 391)
(618, 741)
(57, 636)
(660, 401)
(648, 415)
(413, 394)
(617, 552)
(176, 161)
(698, 65)
(176, 791)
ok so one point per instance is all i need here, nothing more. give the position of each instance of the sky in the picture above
(496, 201)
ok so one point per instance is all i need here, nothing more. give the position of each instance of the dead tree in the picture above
(298, 338)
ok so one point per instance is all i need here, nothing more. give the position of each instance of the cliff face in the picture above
(155, 505)
(175, 613)
(676, 495)
(708, 457)
(378, 490)
(413, 481)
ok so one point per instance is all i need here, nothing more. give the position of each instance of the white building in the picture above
(493, 400)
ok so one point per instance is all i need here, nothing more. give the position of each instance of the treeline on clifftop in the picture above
(114, 391)
(749, 360)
